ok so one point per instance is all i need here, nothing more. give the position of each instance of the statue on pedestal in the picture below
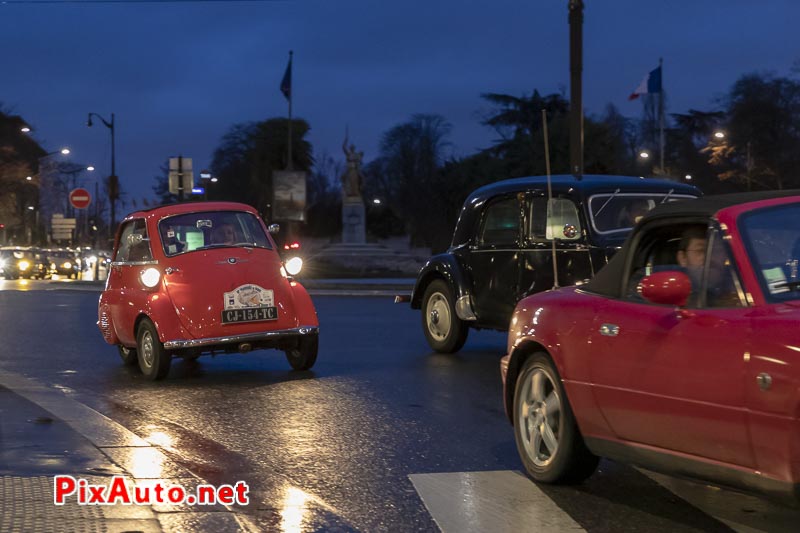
(352, 179)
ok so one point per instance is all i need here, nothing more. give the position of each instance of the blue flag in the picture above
(286, 83)
(649, 85)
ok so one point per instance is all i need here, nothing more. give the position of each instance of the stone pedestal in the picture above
(354, 222)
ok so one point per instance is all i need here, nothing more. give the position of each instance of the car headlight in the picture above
(294, 266)
(24, 265)
(150, 277)
(66, 264)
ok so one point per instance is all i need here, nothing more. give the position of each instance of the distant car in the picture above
(9, 267)
(681, 355)
(195, 278)
(502, 248)
(63, 263)
(25, 262)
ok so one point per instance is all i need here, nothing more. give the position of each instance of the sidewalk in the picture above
(44, 433)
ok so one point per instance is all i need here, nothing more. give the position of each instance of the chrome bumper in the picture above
(249, 337)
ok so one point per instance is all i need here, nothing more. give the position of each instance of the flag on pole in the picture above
(650, 84)
(286, 83)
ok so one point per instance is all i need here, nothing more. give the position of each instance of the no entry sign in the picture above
(80, 198)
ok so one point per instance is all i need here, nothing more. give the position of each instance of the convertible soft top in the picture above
(608, 280)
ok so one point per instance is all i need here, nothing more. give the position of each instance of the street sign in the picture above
(62, 227)
(180, 167)
(198, 190)
(80, 198)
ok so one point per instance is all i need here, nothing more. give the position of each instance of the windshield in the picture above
(211, 229)
(772, 238)
(619, 212)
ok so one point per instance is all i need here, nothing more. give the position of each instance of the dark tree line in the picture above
(421, 185)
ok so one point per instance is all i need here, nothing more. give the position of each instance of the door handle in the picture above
(171, 270)
(609, 330)
(764, 381)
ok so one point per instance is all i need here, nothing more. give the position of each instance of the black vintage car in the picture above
(508, 234)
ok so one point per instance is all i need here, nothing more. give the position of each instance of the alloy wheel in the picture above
(539, 417)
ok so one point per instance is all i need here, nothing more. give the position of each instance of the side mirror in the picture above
(274, 228)
(667, 288)
(135, 238)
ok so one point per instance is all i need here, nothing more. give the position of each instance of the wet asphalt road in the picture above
(341, 439)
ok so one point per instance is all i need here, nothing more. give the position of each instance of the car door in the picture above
(545, 221)
(672, 378)
(125, 293)
(494, 260)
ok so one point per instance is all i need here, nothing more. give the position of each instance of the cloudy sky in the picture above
(178, 74)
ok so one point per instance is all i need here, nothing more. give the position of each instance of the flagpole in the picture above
(289, 163)
(661, 112)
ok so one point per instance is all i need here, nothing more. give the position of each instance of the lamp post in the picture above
(50, 188)
(113, 182)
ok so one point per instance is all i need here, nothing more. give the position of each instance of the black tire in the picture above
(570, 461)
(154, 360)
(128, 355)
(444, 331)
(304, 355)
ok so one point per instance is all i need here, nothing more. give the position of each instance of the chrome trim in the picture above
(134, 263)
(264, 335)
(464, 309)
(609, 330)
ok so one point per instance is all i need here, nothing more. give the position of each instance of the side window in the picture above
(501, 223)
(563, 221)
(537, 219)
(722, 286)
(129, 249)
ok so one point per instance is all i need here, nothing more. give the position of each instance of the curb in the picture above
(108, 436)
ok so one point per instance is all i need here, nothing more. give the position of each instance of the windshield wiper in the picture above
(668, 195)
(606, 203)
(791, 285)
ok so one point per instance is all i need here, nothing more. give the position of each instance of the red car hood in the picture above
(203, 281)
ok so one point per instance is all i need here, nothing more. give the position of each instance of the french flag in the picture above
(650, 84)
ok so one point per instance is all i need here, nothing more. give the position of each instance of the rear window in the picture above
(211, 229)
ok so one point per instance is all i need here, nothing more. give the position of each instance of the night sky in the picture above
(178, 74)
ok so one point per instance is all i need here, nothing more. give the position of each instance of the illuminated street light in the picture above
(31, 208)
(25, 129)
(214, 180)
(644, 154)
(688, 177)
(376, 201)
(90, 168)
(29, 178)
(719, 135)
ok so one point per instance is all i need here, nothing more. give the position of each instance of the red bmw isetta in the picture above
(195, 278)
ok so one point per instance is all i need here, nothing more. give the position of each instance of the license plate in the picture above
(253, 314)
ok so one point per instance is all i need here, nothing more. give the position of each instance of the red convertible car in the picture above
(197, 278)
(681, 355)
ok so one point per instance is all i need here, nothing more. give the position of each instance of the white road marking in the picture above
(489, 501)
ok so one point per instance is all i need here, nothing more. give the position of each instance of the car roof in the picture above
(608, 280)
(189, 207)
(708, 206)
(588, 183)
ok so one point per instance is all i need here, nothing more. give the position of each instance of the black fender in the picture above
(443, 266)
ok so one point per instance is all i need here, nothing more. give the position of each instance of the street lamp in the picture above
(688, 177)
(644, 154)
(719, 134)
(113, 183)
(25, 129)
(90, 168)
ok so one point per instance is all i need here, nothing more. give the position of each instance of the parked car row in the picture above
(45, 263)
(640, 328)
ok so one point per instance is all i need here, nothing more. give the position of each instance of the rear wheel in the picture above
(154, 360)
(548, 440)
(445, 332)
(128, 355)
(304, 355)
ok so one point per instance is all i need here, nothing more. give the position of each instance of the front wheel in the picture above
(444, 331)
(154, 360)
(548, 440)
(304, 355)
